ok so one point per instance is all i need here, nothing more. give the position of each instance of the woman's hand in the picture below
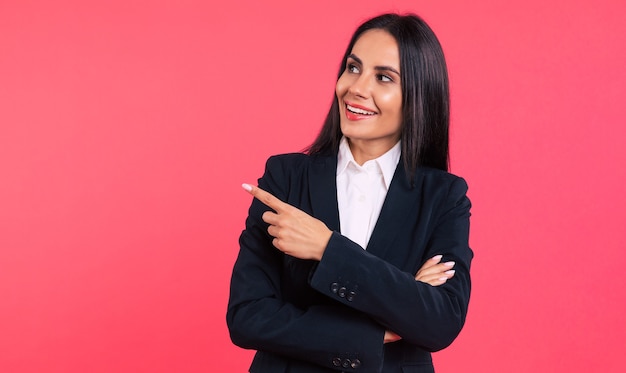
(295, 232)
(391, 337)
(433, 273)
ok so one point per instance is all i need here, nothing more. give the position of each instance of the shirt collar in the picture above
(386, 162)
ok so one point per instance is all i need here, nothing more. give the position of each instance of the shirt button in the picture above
(337, 362)
(355, 363)
(334, 287)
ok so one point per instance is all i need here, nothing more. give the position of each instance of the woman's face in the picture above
(369, 94)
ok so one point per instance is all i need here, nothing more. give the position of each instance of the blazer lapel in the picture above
(401, 200)
(323, 190)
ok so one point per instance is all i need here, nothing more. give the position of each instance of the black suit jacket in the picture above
(331, 315)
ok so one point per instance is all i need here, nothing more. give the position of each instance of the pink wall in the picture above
(127, 127)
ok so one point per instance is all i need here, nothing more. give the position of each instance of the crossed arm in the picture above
(300, 235)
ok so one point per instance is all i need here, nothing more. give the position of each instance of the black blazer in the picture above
(331, 315)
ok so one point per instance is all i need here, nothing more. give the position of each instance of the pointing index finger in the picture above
(265, 197)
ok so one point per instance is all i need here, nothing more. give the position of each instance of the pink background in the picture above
(127, 127)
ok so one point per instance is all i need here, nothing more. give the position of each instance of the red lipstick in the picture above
(351, 115)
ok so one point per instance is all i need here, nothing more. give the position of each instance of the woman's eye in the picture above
(352, 68)
(384, 78)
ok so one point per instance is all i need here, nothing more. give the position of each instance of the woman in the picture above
(345, 262)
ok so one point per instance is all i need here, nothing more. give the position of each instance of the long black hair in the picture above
(425, 94)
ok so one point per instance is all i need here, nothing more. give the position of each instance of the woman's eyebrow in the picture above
(380, 68)
(357, 59)
(387, 68)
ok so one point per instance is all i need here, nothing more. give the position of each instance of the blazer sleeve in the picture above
(427, 316)
(330, 335)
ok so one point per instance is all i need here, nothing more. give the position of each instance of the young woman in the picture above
(346, 260)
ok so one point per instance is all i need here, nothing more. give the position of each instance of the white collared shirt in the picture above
(361, 191)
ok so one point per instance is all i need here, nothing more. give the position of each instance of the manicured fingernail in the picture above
(450, 272)
(437, 257)
(449, 264)
(443, 279)
(247, 187)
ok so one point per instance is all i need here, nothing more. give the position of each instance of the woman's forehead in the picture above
(377, 47)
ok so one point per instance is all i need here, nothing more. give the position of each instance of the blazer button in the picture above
(337, 362)
(334, 287)
(342, 292)
(346, 363)
(350, 296)
(355, 363)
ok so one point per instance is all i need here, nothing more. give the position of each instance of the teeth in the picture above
(359, 111)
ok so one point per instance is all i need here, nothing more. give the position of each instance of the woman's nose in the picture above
(360, 86)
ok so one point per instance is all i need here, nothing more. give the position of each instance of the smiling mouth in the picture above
(359, 111)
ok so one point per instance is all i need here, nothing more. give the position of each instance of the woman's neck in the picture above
(363, 151)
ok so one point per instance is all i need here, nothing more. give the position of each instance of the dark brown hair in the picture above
(425, 94)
